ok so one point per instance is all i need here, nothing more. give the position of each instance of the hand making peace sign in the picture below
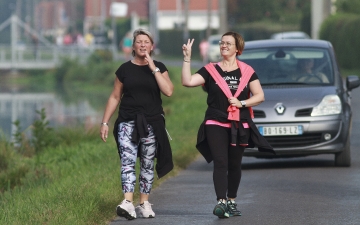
(187, 49)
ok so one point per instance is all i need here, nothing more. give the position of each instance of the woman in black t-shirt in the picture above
(228, 127)
(139, 130)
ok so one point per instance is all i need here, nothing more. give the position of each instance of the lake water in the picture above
(20, 103)
(17, 104)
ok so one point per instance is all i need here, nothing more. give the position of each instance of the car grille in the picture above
(259, 114)
(303, 112)
(294, 141)
(299, 113)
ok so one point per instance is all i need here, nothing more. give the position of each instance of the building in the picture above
(97, 11)
(172, 14)
(50, 17)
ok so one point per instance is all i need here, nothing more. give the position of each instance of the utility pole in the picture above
(208, 29)
(186, 20)
(18, 8)
(18, 14)
(223, 28)
(178, 13)
(103, 15)
(320, 9)
(28, 12)
(14, 38)
(153, 20)
(114, 33)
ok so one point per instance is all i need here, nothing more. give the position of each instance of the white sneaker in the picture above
(126, 209)
(145, 210)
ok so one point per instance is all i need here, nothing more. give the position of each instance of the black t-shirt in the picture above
(141, 93)
(216, 97)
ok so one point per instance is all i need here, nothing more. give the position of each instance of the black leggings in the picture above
(227, 161)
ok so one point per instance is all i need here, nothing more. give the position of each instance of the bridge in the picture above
(42, 54)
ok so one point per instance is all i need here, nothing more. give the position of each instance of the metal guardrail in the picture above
(43, 54)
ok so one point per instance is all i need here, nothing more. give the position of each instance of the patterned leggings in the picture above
(128, 152)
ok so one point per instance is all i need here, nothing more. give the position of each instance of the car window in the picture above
(298, 66)
(290, 35)
(215, 42)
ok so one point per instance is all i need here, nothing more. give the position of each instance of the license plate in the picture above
(281, 130)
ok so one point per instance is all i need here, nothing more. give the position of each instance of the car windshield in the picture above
(298, 66)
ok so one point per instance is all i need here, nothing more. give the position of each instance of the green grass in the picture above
(78, 181)
(79, 188)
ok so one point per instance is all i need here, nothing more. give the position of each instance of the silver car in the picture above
(290, 35)
(307, 108)
(213, 53)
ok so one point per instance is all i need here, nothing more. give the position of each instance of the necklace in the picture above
(142, 63)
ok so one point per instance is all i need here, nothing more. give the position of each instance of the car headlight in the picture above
(329, 105)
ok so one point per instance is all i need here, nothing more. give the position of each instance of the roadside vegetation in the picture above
(341, 30)
(68, 175)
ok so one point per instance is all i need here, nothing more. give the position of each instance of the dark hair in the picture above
(142, 32)
(239, 41)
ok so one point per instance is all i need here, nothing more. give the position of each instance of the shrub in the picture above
(13, 167)
(342, 31)
(43, 135)
(100, 56)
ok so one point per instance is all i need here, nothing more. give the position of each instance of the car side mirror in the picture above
(352, 82)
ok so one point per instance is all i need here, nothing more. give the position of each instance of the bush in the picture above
(43, 135)
(21, 162)
(13, 167)
(75, 81)
(342, 31)
(100, 56)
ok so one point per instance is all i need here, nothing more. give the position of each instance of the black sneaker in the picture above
(221, 210)
(231, 206)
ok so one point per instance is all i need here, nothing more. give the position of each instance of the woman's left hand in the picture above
(234, 102)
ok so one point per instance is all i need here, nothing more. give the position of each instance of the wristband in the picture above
(104, 124)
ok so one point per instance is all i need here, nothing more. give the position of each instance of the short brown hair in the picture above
(142, 32)
(239, 41)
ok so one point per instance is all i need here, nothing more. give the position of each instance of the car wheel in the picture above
(344, 158)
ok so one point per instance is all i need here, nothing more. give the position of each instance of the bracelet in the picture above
(104, 124)
(187, 60)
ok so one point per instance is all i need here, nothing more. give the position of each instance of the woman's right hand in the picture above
(104, 130)
(187, 49)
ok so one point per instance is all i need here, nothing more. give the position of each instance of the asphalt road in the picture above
(307, 190)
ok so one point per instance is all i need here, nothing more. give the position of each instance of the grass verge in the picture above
(79, 182)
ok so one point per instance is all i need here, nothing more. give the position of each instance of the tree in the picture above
(241, 11)
(305, 23)
(348, 6)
